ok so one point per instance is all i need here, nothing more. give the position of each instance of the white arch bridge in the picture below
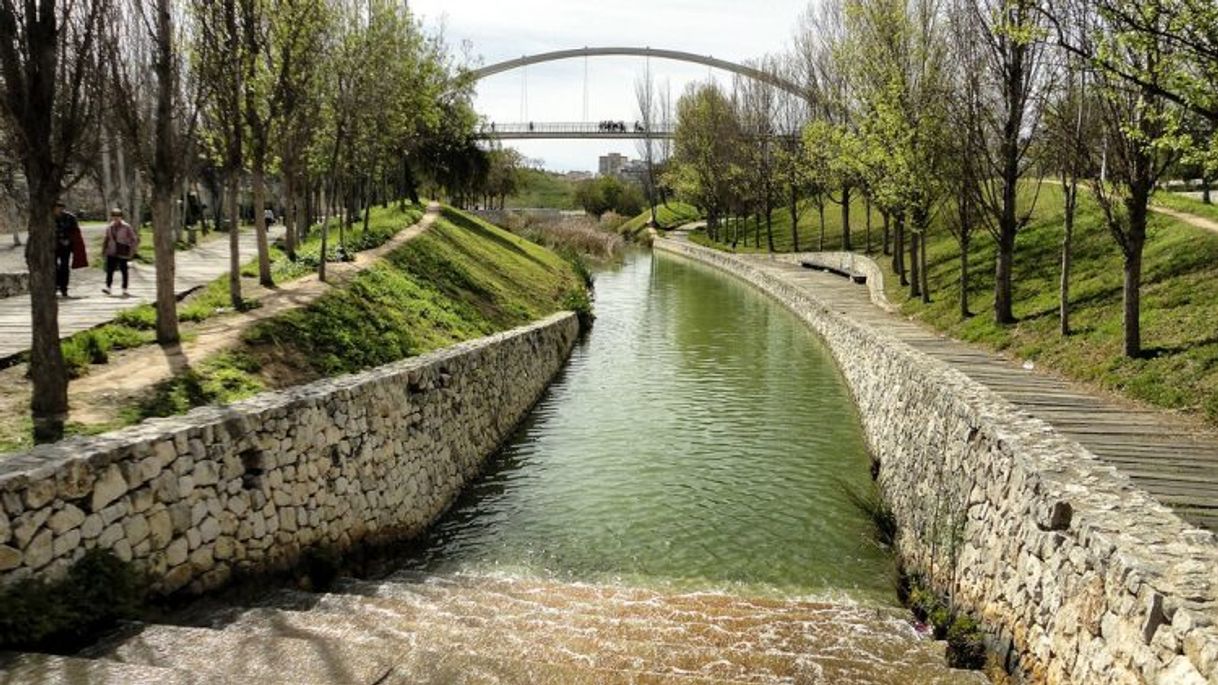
(610, 129)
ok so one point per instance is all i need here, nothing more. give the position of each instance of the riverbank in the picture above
(1077, 575)
(1178, 372)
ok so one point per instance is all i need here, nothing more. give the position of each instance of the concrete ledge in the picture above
(847, 261)
(1079, 576)
(367, 457)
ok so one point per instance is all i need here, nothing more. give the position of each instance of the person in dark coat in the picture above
(69, 247)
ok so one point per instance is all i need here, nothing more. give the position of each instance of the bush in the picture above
(965, 644)
(876, 509)
(98, 590)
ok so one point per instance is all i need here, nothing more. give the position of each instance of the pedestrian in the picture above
(269, 215)
(69, 247)
(120, 247)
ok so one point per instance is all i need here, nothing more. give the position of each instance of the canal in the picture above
(701, 437)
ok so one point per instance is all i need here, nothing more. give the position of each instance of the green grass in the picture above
(669, 216)
(1183, 203)
(542, 189)
(462, 279)
(1179, 301)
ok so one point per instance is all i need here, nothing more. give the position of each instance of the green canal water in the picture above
(700, 437)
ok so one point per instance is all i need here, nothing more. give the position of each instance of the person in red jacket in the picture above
(69, 247)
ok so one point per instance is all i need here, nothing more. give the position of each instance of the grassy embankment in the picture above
(543, 189)
(669, 216)
(462, 279)
(1179, 299)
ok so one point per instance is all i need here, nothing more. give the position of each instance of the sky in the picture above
(496, 30)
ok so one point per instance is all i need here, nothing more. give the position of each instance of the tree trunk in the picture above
(290, 200)
(794, 208)
(757, 230)
(887, 244)
(820, 208)
(923, 239)
(847, 243)
(867, 208)
(1003, 307)
(234, 244)
(1071, 198)
(769, 230)
(264, 248)
(49, 398)
(162, 245)
(1205, 191)
(915, 280)
(1133, 282)
(898, 251)
(964, 246)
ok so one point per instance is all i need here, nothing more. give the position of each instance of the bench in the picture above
(855, 276)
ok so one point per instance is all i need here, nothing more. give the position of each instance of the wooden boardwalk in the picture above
(89, 306)
(1170, 458)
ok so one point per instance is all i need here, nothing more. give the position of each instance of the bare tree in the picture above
(645, 98)
(49, 101)
(159, 133)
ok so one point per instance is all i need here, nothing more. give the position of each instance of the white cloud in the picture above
(735, 30)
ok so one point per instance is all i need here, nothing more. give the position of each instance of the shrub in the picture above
(98, 590)
(965, 644)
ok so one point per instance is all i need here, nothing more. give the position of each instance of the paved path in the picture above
(1171, 459)
(89, 306)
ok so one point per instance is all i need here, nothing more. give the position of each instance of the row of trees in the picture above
(952, 114)
(342, 102)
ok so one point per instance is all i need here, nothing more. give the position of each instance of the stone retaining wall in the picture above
(1079, 576)
(365, 457)
(12, 284)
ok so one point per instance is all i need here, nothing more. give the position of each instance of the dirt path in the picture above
(94, 399)
(1190, 219)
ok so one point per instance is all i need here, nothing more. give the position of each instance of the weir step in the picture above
(49, 669)
(471, 629)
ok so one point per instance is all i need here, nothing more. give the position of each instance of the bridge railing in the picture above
(622, 128)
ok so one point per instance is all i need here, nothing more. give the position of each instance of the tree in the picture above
(705, 165)
(221, 61)
(161, 135)
(49, 100)
(757, 105)
(1069, 139)
(1012, 61)
(1142, 139)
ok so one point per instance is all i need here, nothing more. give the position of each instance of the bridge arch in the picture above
(675, 55)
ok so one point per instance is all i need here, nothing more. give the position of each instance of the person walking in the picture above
(119, 246)
(69, 247)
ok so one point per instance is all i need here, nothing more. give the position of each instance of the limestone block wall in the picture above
(12, 284)
(1079, 576)
(363, 457)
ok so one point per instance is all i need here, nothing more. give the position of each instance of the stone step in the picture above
(218, 656)
(49, 669)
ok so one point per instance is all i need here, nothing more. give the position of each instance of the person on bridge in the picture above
(69, 247)
(119, 246)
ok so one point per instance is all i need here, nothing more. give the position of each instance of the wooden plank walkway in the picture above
(89, 306)
(1171, 459)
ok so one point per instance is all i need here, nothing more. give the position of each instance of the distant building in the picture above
(612, 164)
(634, 170)
(578, 175)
